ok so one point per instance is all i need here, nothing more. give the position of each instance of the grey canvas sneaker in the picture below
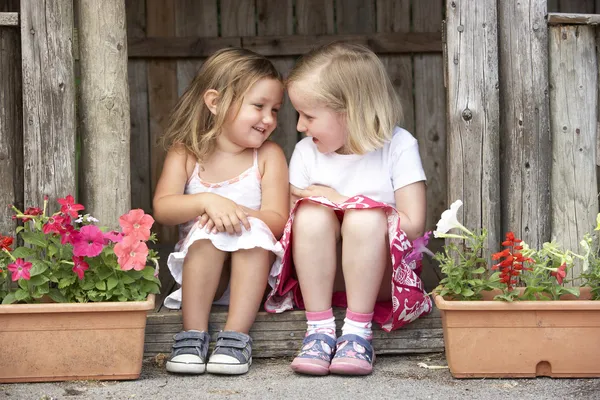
(232, 354)
(189, 353)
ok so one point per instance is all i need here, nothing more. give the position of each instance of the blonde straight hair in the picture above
(350, 79)
(231, 72)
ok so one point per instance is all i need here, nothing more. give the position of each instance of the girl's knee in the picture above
(311, 219)
(364, 223)
(201, 245)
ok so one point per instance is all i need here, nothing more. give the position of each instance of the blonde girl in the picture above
(226, 187)
(359, 192)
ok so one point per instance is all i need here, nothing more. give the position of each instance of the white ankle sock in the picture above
(321, 322)
(358, 324)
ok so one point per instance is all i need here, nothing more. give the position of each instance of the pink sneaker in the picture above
(315, 356)
(354, 355)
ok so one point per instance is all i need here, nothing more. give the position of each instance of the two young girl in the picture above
(358, 196)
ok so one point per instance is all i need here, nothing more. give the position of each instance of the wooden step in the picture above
(280, 335)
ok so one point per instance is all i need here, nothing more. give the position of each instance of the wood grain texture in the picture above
(238, 18)
(573, 19)
(473, 114)
(279, 21)
(286, 45)
(11, 122)
(315, 17)
(430, 116)
(48, 101)
(573, 101)
(193, 18)
(104, 110)
(141, 190)
(162, 96)
(526, 157)
(9, 19)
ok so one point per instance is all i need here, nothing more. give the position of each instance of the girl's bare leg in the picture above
(365, 257)
(316, 231)
(201, 276)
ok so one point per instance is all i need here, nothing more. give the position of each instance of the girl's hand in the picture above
(223, 215)
(319, 190)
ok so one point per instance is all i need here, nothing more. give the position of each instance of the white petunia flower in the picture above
(449, 221)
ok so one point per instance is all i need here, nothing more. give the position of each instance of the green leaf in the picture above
(21, 294)
(38, 280)
(9, 299)
(23, 284)
(23, 252)
(148, 273)
(111, 283)
(39, 267)
(126, 279)
(57, 296)
(104, 272)
(467, 292)
(101, 285)
(34, 238)
(479, 270)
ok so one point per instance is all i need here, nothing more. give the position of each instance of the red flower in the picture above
(137, 224)
(5, 243)
(55, 224)
(20, 269)
(33, 211)
(511, 261)
(68, 235)
(69, 207)
(79, 266)
(560, 273)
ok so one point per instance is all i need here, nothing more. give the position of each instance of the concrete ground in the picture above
(394, 377)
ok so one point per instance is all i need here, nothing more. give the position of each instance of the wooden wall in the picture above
(169, 39)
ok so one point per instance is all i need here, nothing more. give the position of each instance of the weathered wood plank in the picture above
(162, 89)
(11, 122)
(315, 17)
(104, 110)
(280, 21)
(298, 335)
(277, 335)
(238, 18)
(573, 19)
(141, 192)
(355, 16)
(292, 45)
(48, 100)
(394, 16)
(9, 19)
(430, 119)
(473, 114)
(577, 6)
(219, 315)
(193, 18)
(526, 155)
(573, 101)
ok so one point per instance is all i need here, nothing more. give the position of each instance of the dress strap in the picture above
(255, 164)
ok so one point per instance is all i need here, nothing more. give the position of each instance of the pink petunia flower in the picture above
(419, 247)
(20, 269)
(69, 207)
(131, 253)
(137, 224)
(79, 267)
(113, 236)
(89, 242)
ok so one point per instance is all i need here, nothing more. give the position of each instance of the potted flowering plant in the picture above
(520, 300)
(74, 296)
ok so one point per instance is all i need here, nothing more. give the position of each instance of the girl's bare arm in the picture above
(171, 206)
(274, 208)
(411, 203)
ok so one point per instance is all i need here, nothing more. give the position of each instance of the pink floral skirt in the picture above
(409, 300)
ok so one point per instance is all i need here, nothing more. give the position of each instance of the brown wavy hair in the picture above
(231, 72)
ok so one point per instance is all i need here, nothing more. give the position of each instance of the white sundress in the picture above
(245, 190)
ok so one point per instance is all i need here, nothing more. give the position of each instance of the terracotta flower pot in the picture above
(522, 339)
(56, 342)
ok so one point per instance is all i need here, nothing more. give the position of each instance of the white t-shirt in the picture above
(376, 174)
